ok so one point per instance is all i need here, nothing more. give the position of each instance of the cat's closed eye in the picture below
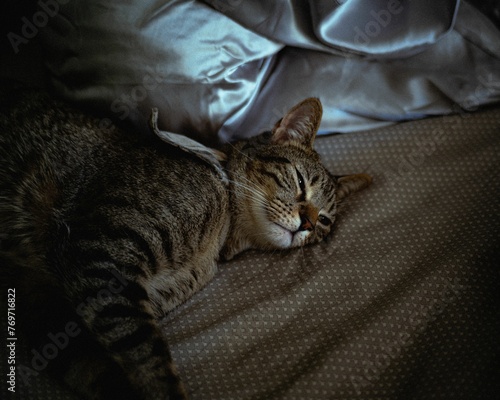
(302, 186)
(323, 220)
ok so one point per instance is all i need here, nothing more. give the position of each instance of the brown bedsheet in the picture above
(401, 303)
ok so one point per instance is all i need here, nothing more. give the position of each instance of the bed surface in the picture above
(401, 303)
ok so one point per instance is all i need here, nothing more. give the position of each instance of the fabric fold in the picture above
(224, 69)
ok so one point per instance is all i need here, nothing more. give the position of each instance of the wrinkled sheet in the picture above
(401, 303)
(230, 68)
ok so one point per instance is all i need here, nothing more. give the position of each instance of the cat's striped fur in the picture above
(111, 231)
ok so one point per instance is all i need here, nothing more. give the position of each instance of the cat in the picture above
(103, 231)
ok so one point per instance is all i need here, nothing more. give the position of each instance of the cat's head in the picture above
(282, 194)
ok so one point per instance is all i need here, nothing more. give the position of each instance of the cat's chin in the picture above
(283, 238)
(279, 236)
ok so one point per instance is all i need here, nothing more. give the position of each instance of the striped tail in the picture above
(125, 350)
(116, 311)
(111, 349)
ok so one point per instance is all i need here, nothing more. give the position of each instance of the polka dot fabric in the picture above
(402, 302)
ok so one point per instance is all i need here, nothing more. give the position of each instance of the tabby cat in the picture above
(103, 231)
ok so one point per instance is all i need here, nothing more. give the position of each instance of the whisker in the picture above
(254, 191)
(239, 151)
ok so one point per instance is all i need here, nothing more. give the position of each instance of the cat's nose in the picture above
(305, 223)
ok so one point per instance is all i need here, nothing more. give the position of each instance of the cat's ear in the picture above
(300, 124)
(349, 184)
